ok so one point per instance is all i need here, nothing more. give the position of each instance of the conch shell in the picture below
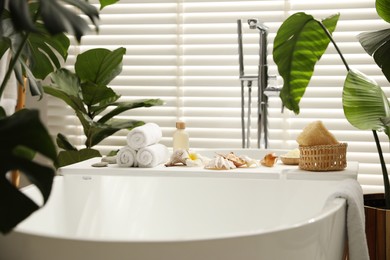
(269, 160)
(220, 163)
(178, 157)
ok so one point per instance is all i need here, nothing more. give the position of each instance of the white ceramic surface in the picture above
(279, 171)
(163, 217)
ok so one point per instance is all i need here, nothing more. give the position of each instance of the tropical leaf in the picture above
(66, 81)
(377, 44)
(124, 106)
(71, 157)
(44, 51)
(365, 104)
(299, 44)
(15, 141)
(63, 142)
(104, 3)
(98, 132)
(21, 16)
(57, 17)
(383, 10)
(66, 86)
(99, 66)
(96, 94)
(36, 53)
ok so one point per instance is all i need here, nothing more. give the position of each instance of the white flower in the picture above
(194, 160)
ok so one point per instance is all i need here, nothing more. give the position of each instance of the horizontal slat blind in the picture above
(186, 53)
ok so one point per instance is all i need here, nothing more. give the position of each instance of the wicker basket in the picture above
(323, 157)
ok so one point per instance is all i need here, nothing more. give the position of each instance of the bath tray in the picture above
(279, 171)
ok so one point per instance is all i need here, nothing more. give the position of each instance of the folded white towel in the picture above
(144, 135)
(152, 155)
(126, 157)
(351, 190)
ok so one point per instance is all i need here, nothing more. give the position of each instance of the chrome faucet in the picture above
(262, 83)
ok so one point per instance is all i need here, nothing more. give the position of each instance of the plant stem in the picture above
(385, 175)
(335, 45)
(386, 182)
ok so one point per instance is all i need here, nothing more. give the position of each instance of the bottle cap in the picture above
(180, 125)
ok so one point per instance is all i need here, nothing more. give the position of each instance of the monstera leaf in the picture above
(55, 15)
(377, 43)
(298, 45)
(21, 132)
(34, 55)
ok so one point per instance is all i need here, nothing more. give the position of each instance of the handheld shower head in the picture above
(254, 23)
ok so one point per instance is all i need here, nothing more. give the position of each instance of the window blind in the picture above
(186, 53)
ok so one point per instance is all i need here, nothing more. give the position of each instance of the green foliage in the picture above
(298, 45)
(87, 93)
(30, 137)
(364, 102)
(33, 32)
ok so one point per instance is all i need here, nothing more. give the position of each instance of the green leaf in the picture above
(377, 44)
(94, 94)
(124, 106)
(63, 142)
(74, 102)
(21, 135)
(66, 81)
(43, 52)
(383, 10)
(99, 66)
(66, 86)
(365, 104)
(36, 138)
(298, 45)
(71, 157)
(21, 17)
(98, 131)
(104, 3)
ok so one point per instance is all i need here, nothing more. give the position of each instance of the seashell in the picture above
(269, 160)
(178, 157)
(249, 161)
(238, 162)
(220, 163)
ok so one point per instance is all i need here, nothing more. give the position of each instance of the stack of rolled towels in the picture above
(143, 148)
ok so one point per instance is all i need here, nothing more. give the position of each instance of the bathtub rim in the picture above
(329, 208)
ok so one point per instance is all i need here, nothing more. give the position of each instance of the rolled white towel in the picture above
(126, 157)
(144, 135)
(152, 155)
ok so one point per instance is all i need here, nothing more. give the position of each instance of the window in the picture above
(186, 53)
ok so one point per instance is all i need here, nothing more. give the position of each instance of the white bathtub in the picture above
(168, 218)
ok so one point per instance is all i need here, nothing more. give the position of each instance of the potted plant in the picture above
(32, 34)
(87, 93)
(299, 44)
